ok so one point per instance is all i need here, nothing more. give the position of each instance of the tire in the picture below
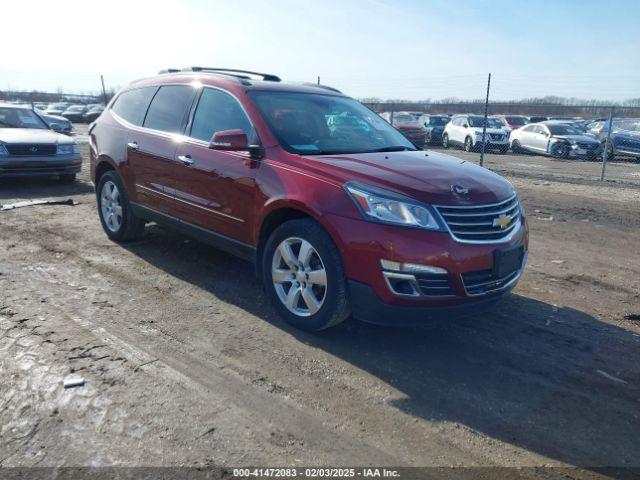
(468, 144)
(504, 150)
(515, 147)
(281, 274)
(445, 141)
(124, 226)
(68, 178)
(610, 152)
(560, 150)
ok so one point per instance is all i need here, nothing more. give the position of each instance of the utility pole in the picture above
(104, 91)
(484, 125)
(607, 142)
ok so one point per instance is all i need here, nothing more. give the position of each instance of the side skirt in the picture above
(222, 242)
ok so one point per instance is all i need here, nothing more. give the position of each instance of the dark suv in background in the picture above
(339, 212)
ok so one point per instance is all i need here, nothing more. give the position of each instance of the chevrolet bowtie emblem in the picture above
(502, 221)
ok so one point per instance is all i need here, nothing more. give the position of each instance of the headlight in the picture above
(378, 205)
(3, 150)
(68, 149)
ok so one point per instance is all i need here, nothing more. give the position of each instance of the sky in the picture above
(389, 49)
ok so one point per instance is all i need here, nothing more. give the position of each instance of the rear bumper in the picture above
(40, 166)
(368, 307)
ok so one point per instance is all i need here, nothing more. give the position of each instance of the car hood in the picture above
(426, 176)
(489, 130)
(31, 135)
(577, 138)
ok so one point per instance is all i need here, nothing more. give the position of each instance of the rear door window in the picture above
(132, 104)
(218, 111)
(168, 109)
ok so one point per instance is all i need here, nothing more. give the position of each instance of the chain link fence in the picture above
(595, 139)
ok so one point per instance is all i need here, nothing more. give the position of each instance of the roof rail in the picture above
(168, 70)
(234, 72)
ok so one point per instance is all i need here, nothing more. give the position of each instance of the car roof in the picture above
(233, 82)
(15, 105)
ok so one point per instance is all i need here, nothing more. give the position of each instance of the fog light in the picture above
(410, 267)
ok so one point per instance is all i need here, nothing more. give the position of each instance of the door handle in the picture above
(186, 159)
(133, 145)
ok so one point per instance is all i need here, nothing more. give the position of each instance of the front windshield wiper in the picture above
(394, 148)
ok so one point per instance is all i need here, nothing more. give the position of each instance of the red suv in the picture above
(339, 212)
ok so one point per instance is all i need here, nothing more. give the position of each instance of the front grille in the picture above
(496, 136)
(32, 149)
(484, 281)
(587, 145)
(482, 223)
(434, 284)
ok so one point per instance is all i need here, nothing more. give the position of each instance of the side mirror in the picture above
(55, 127)
(229, 140)
(235, 141)
(465, 125)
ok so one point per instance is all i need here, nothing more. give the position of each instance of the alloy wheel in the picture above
(299, 276)
(110, 206)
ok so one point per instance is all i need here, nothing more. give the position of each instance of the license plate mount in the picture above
(507, 261)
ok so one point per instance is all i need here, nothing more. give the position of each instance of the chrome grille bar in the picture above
(482, 223)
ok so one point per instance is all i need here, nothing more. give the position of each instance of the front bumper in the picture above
(364, 244)
(40, 166)
(367, 306)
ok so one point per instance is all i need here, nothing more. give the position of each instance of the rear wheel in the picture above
(303, 276)
(504, 149)
(116, 216)
(445, 141)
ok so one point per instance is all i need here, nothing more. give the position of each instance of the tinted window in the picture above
(563, 130)
(132, 104)
(218, 111)
(300, 122)
(168, 108)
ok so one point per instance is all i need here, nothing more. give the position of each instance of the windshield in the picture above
(75, 109)
(477, 121)
(630, 125)
(404, 118)
(438, 121)
(516, 120)
(563, 130)
(494, 123)
(315, 124)
(20, 118)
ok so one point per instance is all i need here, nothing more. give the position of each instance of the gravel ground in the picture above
(186, 364)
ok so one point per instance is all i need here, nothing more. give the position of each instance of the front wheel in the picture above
(303, 276)
(560, 150)
(468, 144)
(445, 141)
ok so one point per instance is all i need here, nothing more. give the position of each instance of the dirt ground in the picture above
(186, 364)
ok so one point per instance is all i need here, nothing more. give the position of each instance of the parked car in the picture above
(93, 113)
(336, 223)
(554, 138)
(75, 113)
(538, 119)
(434, 125)
(55, 122)
(408, 126)
(29, 148)
(466, 131)
(624, 138)
(512, 121)
(56, 108)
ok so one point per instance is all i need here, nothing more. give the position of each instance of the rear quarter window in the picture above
(132, 104)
